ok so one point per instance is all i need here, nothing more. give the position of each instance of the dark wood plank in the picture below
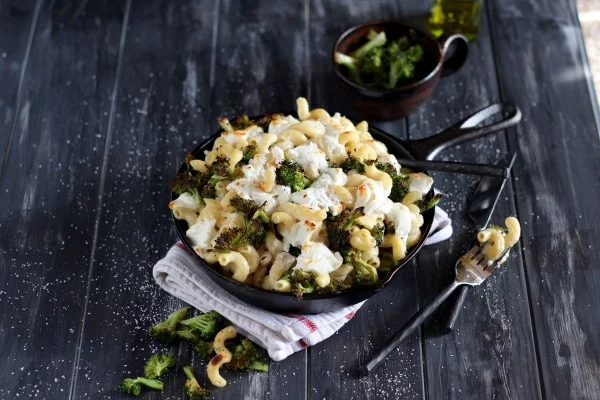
(49, 194)
(334, 363)
(491, 353)
(160, 110)
(261, 67)
(17, 25)
(557, 187)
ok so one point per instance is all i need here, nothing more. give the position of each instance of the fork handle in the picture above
(452, 314)
(408, 328)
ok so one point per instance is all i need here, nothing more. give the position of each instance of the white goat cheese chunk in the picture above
(318, 258)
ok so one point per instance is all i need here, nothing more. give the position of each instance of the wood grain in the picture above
(159, 108)
(490, 353)
(334, 363)
(49, 194)
(259, 68)
(18, 20)
(556, 189)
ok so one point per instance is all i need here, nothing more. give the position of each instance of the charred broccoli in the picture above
(363, 273)
(133, 386)
(305, 282)
(338, 228)
(158, 364)
(378, 232)
(166, 330)
(206, 326)
(352, 163)
(245, 355)
(292, 175)
(190, 181)
(192, 387)
(248, 154)
(425, 205)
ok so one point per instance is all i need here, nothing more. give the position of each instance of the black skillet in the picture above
(423, 149)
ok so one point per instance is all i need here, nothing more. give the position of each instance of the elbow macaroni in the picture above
(222, 356)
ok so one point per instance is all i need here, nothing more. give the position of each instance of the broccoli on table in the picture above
(192, 387)
(244, 355)
(158, 364)
(133, 386)
(292, 175)
(206, 326)
(187, 334)
(165, 330)
(205, 349)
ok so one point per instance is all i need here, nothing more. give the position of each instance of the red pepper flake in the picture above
(216, 359)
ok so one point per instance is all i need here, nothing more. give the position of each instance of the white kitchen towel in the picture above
(281, 334)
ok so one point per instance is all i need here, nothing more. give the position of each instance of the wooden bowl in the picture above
(440, 58)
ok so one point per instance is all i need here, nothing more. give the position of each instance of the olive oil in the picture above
(455, 16)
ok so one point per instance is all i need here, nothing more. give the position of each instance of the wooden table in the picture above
(98, 104)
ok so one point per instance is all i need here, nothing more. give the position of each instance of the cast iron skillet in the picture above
(425, 148)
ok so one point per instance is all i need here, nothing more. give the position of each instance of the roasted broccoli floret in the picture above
(399, 188)
(352, 163)
(338, 228)
(225, 124)
(192, 387)
(254, 231)
(247, 154)
(302, 282)
(158, 364)
(205, 349)
(363, 273)
(378, 232)
(264, 121)
(166, 330)
(231, 239)
(247, 207)
(220, 167)
(244, 355)
(190, 181)
(425, 205)
(292, 175)
(133, 386)
(206, 326)
(387, 168)
(242, 122)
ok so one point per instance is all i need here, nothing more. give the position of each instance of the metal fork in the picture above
(471, 269)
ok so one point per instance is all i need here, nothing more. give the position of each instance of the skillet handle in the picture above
(428, 148)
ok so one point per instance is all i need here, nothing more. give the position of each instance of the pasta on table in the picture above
(304, 205)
